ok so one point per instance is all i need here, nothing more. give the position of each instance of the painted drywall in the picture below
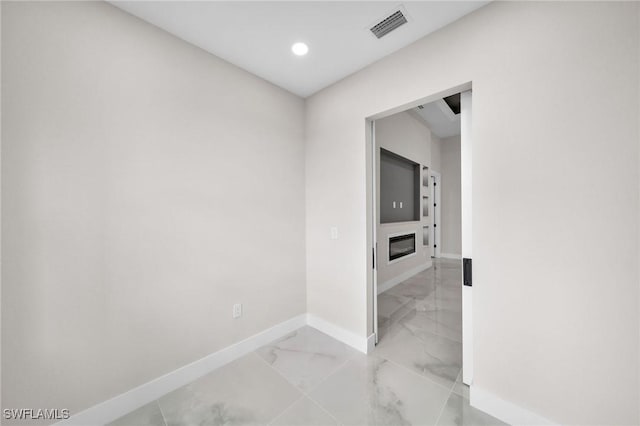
(450, 193)
(436, 153)
(147, 186)
(408, 137)
(555, 308)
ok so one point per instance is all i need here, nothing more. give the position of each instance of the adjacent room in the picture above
(320, 213)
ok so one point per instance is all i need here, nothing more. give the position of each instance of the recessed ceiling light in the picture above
(300, 49)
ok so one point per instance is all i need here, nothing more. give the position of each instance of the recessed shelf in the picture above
(425, 236)
(399, 188)
(425, 206)
(425, 176)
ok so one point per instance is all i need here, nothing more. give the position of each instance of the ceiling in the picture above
(440, 119)
(257, 36)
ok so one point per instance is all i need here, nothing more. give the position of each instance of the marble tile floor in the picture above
(308, 378)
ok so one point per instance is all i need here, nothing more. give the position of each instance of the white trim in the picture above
(347, 337)
(504, 410)
(466, 197)
(374, 231)
(124, 403)
(451, 256)
(404, 276)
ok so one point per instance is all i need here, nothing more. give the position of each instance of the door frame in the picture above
(371, 217)
(374, 228)
(466, 187)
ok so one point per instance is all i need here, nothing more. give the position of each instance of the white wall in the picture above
(410, 138)
(450, 197)
(436, 153)
(146, 187)
(555, 98)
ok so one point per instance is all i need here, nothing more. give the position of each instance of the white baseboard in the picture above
(389, 284)
(451, 256)
(345, 336)
(124, 403)
(504, 410)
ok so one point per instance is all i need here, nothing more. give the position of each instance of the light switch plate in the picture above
(334, 233)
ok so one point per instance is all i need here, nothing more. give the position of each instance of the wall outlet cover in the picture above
(237, 310)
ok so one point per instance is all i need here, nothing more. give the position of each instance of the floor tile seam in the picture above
(437, 335)
(448, 396)
(331, 374)
(409, 302)
(412, 372)
(302, 395)
(321, 382)
(324, 409)
(454, 386)
(164, 419)
(425, 331)
(270, 422)
(440, 324)
(280, 374)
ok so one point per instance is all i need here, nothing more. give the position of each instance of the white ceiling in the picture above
(440, 119)
(257, 36)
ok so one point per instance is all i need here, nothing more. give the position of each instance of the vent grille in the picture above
(388, 24)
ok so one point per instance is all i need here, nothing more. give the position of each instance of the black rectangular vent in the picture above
(389, 24)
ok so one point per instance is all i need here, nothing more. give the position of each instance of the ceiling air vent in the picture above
(389, 24)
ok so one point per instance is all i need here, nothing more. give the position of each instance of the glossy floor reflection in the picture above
(308, 378)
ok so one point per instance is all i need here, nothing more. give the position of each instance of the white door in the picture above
(467, 300)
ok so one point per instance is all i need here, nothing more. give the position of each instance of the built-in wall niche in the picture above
(425, 176)
(399, 188)
(425, 206)
(425, 236)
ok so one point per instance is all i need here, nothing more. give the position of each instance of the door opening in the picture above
(407, 245)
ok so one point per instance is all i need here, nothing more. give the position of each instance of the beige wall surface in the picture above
(147, 186)
(404, 135)
(450, 196)
(555, 249)
(436, 153)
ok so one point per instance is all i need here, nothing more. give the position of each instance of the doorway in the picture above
(420, 293)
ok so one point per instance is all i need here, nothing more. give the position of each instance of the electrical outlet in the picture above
(237, 310)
